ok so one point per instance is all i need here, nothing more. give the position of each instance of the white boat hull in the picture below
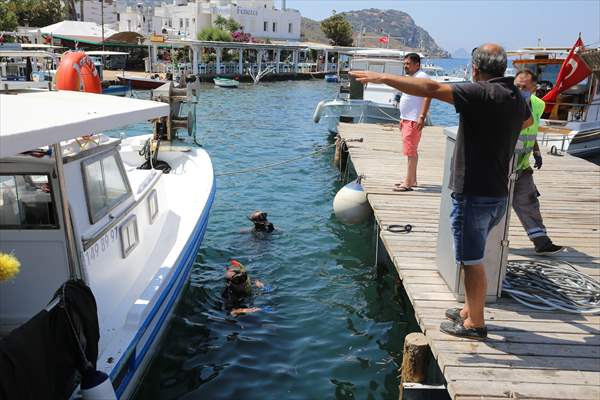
(355, 111)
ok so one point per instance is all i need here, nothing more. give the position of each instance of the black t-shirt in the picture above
(491, 115)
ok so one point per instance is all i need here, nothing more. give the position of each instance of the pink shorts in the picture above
(410, 137)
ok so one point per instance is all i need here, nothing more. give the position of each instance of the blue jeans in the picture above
(472, 218)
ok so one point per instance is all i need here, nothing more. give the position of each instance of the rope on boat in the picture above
(552, 285)
(267, 166)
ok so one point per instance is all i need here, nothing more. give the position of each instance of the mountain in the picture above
(460, 53)
(404, 33)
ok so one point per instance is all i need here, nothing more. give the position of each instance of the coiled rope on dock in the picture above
(552, 286)
(276, 164)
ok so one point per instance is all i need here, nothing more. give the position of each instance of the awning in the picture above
(62, 115)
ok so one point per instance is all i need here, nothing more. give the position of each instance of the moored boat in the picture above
(371, 103)
(90, 213)
(573, 124)
(226, 83)
(140, 83)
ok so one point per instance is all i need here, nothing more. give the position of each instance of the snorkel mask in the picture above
(237, 278)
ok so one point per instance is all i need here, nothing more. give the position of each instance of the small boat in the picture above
(116, 90)
(226, 83)
(438, 74)
(78, 207)
(371, 103)
(139, 83)
(333, 78)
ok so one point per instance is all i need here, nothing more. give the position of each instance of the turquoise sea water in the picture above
(335, 323)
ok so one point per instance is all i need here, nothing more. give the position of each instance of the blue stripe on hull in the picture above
(173, 289)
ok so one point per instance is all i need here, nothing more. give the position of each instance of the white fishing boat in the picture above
(371, 103)
(438, 74)
(82, 209)
(573, 125)
(20, 64)
(226, 83)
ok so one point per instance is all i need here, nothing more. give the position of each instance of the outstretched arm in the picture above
(407, 84)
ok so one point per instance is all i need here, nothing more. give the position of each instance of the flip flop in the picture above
(402, 189)
(402, 184)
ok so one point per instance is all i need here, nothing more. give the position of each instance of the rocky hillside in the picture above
(404, 33)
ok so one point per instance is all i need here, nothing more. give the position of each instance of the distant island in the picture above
(460, 53)
(404, 33)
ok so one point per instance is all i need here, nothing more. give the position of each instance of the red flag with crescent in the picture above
(384, 39)
(572, 71)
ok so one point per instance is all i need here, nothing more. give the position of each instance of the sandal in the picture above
(402, 188)
(455, 328)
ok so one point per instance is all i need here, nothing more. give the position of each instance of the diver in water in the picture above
(260, 221)
(238, 291)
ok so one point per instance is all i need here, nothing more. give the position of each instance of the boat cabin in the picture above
(580, 103)
(53, 245)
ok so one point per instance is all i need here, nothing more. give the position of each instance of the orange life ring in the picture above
(77, 72)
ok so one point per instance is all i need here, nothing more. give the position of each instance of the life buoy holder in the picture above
(77, 72)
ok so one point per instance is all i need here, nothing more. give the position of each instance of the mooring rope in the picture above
(552, 286)
(267, 166)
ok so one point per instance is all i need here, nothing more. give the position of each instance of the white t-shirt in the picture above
(410, 106)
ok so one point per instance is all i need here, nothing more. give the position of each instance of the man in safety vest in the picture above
(525, 199)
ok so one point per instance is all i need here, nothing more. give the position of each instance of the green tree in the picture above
(220, 22)
(232, 25)
(338, 30)
(214, 35)
(36, 12)
(8, 19)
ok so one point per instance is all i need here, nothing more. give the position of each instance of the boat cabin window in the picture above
(26, 202)
(105, 184)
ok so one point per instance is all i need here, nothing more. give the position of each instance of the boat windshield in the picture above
(547, 72)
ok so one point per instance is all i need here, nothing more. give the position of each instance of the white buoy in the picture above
(97, 386)
(350, 204)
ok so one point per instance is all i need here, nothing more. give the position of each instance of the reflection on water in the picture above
(335, 323)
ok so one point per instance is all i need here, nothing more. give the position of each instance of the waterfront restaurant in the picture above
(282, 58)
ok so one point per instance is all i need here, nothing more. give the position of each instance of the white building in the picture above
(93, 10)
(182, 18)
(138, 18)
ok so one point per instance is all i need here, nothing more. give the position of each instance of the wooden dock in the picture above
(529, 354)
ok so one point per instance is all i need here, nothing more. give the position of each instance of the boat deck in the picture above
(529, 353)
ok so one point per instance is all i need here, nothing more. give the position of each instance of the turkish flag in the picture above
(572, 71)
(384, 39)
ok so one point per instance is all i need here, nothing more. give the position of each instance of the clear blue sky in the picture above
(466, 24)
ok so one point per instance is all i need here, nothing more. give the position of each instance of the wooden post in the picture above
(415, 358)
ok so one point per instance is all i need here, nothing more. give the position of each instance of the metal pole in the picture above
(73, 259)
(81, 9)
(102, 22)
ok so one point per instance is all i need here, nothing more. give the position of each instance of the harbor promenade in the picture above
(529, 354)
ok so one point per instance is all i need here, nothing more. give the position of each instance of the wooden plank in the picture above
(519, 390)
(529, 353)
(466, 373)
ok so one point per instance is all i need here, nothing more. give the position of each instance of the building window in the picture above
(193, 21)
(290, 27)
(187, 22)
(118, 17)
(152, 206)
(26, 202)
(274, 26)
(128, 25)
(181, 22)
(105, 183)
(129, 235)
(170, 22)
(266, 26)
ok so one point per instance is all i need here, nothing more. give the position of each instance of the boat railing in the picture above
(574, 112)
